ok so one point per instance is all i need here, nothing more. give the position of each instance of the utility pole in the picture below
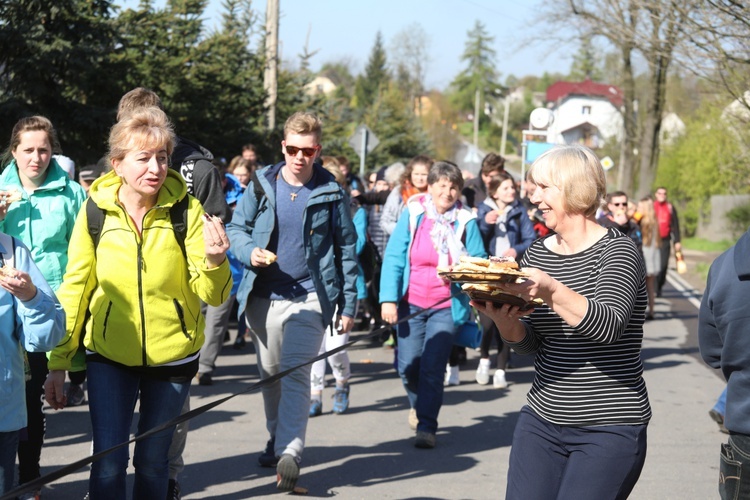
(270, 75)
(505, 124)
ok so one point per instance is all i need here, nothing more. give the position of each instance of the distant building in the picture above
(672, 128)
(585, 113)
(320, 85)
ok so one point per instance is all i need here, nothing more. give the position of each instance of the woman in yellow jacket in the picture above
(135, 298)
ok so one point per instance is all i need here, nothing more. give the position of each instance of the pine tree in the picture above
(480, 73)
(375, 77)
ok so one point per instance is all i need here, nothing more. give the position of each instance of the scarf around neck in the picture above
(448, 246)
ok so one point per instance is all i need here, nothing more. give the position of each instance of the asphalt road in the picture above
(368, 452)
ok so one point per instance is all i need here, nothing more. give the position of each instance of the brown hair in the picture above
(649, 223)
(31, 124)
(493, 162)
(144, 127)
(417, 160)
(303, 123)
(498, 179)
(139, 97)
(331, 163)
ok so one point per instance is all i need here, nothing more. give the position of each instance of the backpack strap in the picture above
(95, 219)
(178, 216)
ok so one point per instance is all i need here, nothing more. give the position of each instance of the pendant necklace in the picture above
(293, 195)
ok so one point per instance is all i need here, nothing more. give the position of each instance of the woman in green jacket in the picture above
(133, 299)
(38, 205)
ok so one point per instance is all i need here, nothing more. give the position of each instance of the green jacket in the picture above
(143, 296)
(44, 219)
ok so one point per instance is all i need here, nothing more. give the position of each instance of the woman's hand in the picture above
(511, 252)
(491, 217)
(506, 317)
(261, 257)
(53, 389)
(539, 285)
(389, 312)
(216, 240)
(19, 285)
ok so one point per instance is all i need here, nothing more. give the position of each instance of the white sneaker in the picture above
(483, 372)
(451, 375)
(499, 380)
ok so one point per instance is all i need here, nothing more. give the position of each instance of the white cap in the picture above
(67, 164)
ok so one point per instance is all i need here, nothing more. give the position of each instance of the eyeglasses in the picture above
(622, 204)
(293, 150)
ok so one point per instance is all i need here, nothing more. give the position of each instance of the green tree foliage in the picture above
(586, 63)
(375, 78)
(480, 73)
(706, 160)
(53, 62)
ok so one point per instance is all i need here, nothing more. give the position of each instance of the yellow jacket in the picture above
(136, 297)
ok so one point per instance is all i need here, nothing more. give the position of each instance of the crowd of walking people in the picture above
(297, 252)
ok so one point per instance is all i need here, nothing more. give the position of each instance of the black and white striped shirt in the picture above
(590, 374)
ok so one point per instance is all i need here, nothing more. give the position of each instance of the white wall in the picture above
(569, 114)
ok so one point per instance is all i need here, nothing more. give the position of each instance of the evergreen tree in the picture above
(53, 62)
(480, 73)
(586, 63)
(375, 77)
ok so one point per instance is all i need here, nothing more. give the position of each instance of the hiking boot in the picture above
(268, 458)
(341, 400)
(483, 372)
(316, 407)
(425, 440)
(75, 395)
(287, 473)
(205, 379)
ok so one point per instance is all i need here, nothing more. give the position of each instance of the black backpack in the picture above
(177, 214)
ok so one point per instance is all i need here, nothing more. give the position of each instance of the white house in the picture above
(320, 85)
(584, 112)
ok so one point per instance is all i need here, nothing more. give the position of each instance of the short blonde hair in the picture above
(139, 129)
(303, 123)
(332, 164)
(577, 172)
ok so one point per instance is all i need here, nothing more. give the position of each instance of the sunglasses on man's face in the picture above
(293, 150)
(624, 204)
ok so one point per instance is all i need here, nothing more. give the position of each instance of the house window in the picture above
(586, 110)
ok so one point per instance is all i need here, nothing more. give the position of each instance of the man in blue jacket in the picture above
(724, 339)
(293, 232)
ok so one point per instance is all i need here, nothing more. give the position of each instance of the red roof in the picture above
(560, 90)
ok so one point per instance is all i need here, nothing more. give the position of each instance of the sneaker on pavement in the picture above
(341, 400)
(287, 473)
(499, 380)
(413, 420)
(316, 407)
(719, 419)
(483, 372)
(268, 458)
(451, 375)
(173, 493)
(425, 440)
(75, 395)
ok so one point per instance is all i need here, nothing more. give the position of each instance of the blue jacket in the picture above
(328, 235)
(394, 274)
(520, 229)
(724, 329)
(37, 325)
(359, 219)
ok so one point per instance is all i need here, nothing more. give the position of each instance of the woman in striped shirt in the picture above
(583, 432)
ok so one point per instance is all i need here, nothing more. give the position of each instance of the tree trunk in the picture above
(649, 151)
(630, 125)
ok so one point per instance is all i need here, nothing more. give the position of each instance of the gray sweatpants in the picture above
(286, 333)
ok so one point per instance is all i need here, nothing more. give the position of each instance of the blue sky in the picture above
(346, 29)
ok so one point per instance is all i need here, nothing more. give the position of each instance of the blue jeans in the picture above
(113, 392)
(721, 403)
(734, 468)
(549, 461)
(8, 448)
(424, 345)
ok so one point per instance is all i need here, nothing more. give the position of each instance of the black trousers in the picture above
(32, 436)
